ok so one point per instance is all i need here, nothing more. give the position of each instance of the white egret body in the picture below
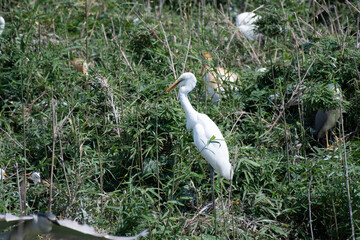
(324, 121)
(216, 78)
(28, 227)
(35, 176)
(207, 136)
(245, 23)
(2, 174)
(2, 25)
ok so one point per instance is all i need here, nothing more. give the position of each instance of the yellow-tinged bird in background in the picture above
(207, 136)
(80, 65)
(215, 78)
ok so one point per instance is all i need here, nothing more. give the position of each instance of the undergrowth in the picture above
(122, 159)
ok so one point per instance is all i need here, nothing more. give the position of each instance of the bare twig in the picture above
(62, 162)
(103, 29)
(345, 35)
(234, 125)
(104, 84)
(294, 93)
(22, 210)
(14, 140)
(309, 204)
(122, 52)
(347, 2)
(347, 174)
(297, 21)
(54, 122)
(187, 53)
(308, 25)
(326, 9)
(64, 120)
(170, 53)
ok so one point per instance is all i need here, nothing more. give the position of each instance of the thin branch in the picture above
(187, 53)
(294, 93)
(347, 174)
(54, 122)
(309, 204)
(170, 53)
(14, 140)
(22, 210)
(347, 2)
(122, 52)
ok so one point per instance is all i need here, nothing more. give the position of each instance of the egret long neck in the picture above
(191, 113)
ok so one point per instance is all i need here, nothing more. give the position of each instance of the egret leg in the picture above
(212, 186)
(213, 196)
(327, 139)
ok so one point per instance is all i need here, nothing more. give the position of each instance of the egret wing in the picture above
(320, 119)
(211, 145)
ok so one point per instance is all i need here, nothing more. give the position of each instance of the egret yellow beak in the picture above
(5, 175)
(174, 85)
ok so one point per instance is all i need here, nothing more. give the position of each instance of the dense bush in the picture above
(122, 158)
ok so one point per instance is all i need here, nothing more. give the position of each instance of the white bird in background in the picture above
(207, 136)
(245, 23)
(2, 174)
(35, 177)
(215, 78)
(2, 25)
(28, 227)
(324, 121)
(81, 65)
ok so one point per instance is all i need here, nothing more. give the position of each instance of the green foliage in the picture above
(123, 160)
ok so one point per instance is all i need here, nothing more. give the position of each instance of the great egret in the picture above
(2, 25)
(2, 174)
(245, 23)
(324, 121)
(28, 227)
(207, 136)
(215, 78)
(35, 177)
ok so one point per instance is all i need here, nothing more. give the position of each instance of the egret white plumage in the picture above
(207, 136)
(215, 78)
(325, 121)
(2, 174)
(35, 177)
(2, 25)
(28, 227)
(245, 23)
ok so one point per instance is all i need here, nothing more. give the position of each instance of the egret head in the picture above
(35, 176)
(2, 174)
(186, 81)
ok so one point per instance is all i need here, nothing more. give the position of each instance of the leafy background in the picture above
(117, 144)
